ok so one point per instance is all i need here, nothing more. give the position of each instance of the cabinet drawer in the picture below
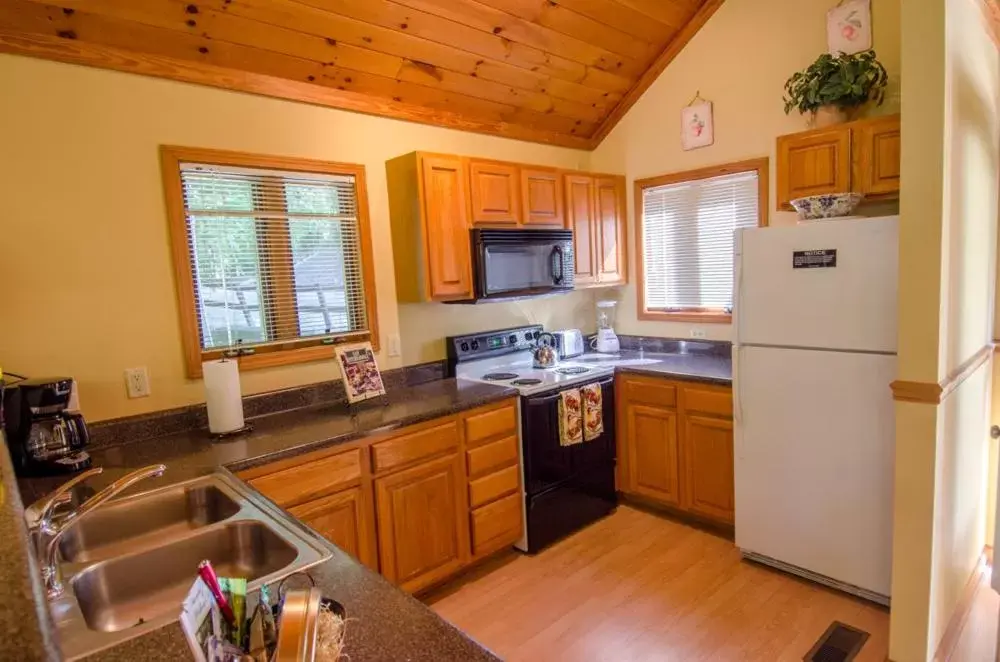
(492, 486)
(496, 525)
(492, 456)
(709, 401)
(648, 390)
(305, 482)
(415, 446)
(488, 424)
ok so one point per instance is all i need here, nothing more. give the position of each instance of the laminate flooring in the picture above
(639, 586)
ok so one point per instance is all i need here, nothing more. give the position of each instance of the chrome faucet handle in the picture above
(50, 532)
(40, 511)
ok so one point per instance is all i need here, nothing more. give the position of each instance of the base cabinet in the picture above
(417, 504)
(420, 523)
(676, 442)
(653, 452)
(708, 467)
(345, 520)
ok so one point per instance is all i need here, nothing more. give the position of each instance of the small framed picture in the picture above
(697, 125)
(849, 27)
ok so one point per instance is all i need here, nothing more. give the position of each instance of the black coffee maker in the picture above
(44, 437)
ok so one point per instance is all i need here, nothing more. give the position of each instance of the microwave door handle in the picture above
(556, 259)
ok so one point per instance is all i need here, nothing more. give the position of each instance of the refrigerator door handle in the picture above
(737, 403)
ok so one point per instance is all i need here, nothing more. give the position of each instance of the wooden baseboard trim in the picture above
(979, 579)
(932, 393)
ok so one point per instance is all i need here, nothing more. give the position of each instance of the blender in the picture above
(606, 341)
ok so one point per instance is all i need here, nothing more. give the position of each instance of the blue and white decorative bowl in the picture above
(833, 205)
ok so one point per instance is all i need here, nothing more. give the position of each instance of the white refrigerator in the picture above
(814, 354)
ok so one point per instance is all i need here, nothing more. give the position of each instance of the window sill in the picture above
(274, 356)
(690, 316)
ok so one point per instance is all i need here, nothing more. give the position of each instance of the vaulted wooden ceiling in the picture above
(555, 71)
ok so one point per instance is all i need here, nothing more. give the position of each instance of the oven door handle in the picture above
(556, 259)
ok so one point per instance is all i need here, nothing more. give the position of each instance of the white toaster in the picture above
(569, 343)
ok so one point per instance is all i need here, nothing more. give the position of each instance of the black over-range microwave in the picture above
(515, 264)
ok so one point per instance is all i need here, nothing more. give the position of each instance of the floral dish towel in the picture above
(570, 418)
(593, 411)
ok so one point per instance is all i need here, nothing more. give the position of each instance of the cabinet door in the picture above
(542, 197)
(346, 520)
(580, 218)
(707, 453)
(495, 193)
(877, 149)
(446, 217)
(813, 163)
(610, 231)
(423, 530)
(651, 444)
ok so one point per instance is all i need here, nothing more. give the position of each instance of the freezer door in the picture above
(814, 440)
(850, 306)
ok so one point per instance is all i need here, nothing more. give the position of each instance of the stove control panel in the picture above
(492, 343)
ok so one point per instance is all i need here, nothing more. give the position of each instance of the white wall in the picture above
(87, 282)
(740, 61)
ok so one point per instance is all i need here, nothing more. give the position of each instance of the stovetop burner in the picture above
(573, 370)
(526, 381)
(499, 376)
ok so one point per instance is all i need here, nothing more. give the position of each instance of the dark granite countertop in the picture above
(389, 625)
(708, 368)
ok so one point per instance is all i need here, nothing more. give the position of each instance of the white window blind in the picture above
(275, 255)
(687, 233)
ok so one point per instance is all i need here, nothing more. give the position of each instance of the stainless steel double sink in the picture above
(131, 563)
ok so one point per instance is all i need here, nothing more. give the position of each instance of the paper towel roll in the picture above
(222, 396)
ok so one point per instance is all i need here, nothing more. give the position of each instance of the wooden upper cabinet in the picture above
(346, 520)
(449, 253)
(653, 453)
(877, 149)
(495, 193)
(610, 230)
(860, 156)
(580, 218)
(813, 163)
(707, 450)
(423, 526)
(542, 197)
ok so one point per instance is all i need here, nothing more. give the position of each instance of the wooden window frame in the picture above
(275, 353)
(696, 315)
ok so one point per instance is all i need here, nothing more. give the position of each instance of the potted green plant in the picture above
(834, 86)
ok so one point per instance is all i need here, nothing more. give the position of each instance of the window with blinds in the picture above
(687, 232)
(274, 256)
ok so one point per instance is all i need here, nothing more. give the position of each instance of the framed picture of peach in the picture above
(849, 27)
(697, 128)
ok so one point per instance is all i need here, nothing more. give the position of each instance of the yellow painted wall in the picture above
(951, 169)
(86, 286)
(740, 61)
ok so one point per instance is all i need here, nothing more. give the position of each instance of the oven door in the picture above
(521, 263)
(547, 464)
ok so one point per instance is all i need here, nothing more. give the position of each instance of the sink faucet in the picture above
(49, 530)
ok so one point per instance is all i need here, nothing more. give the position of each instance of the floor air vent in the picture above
(840, 643)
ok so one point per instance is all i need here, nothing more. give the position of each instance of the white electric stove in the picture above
(515, 370)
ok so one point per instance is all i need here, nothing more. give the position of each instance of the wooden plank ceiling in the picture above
(555, 71)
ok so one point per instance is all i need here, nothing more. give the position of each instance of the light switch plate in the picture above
(137, 382)
(394, 349)
(698, 333)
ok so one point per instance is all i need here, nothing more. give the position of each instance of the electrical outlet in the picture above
(394, 349)
(698, 333)
(137, 382)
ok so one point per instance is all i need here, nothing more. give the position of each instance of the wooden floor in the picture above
(978, 638)
(638, 586)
